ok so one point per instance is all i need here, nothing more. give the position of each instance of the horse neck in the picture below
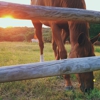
(77, 28)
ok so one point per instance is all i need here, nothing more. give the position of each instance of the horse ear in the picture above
(95, 38)
(81, 39)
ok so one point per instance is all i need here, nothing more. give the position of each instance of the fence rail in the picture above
(46, 69)
(21, 11)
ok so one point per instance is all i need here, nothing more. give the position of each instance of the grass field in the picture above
(51, 88)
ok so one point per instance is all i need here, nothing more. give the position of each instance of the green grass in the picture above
(51, 88)
(19, 53)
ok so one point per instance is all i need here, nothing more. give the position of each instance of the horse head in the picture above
(84, 48)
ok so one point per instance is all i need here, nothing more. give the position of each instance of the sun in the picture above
(8, 17)
(7, 21)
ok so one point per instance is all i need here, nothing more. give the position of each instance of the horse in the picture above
(81, 46)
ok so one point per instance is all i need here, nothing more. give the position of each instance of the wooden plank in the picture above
(21, 11)
(46, 69)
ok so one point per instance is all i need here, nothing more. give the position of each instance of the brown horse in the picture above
(81, 45)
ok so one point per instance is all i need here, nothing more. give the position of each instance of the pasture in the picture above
(50, 88)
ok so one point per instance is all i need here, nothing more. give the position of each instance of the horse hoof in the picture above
(69, 88)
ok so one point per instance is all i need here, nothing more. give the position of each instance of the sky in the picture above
(7, 22)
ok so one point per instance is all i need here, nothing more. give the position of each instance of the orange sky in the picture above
(91, 5)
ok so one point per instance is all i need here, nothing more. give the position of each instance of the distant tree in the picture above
(94, 29)
(29, 36)
(16, 34)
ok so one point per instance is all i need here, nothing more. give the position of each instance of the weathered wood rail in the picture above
(46, 69)
(21, 11)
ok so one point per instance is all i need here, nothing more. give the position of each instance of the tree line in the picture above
(22, 34)
(27, 33)
(94, 30)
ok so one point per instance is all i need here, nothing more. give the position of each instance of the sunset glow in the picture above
(7, 21)
(8, 17)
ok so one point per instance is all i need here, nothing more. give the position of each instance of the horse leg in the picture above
(55, 49)
(65, 35)
(56, 34)
(68, 83)
(38, 32)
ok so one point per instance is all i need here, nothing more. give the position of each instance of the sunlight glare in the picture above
(8, 17)
(7, 21)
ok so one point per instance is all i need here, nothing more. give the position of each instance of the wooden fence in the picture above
(21, 11)
(51, 68)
